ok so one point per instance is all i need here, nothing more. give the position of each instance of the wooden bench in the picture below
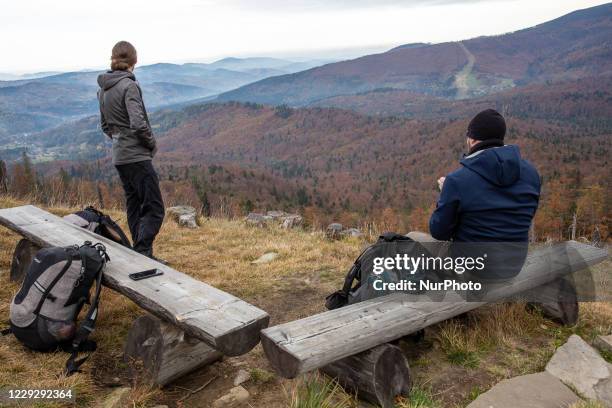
(199, 322)
(350, 343)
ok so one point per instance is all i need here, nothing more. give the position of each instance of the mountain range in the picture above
(38, 101)
(574, 46)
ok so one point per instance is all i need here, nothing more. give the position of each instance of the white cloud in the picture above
(74, 34)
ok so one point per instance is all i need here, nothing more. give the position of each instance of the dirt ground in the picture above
(456, 361)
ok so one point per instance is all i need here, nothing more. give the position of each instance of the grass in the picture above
(420, 397)
(464, 358)
(317, 391)
(260, 376)
(607, 355)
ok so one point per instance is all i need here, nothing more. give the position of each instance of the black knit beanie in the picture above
(488, 124)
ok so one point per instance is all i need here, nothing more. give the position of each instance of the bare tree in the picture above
(3, 177)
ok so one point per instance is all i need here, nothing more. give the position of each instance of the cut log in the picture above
(223, 321)
(22, 257)
(378, 375)
(313, 342)
(560, 302)
(162, 353)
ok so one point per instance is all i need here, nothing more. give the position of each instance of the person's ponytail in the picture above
(123, 56)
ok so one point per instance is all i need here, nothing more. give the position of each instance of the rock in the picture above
(184, 215)
(265, 258)
(292, 221)
(242, 377)
(351, 232)
(118, 398)
(580, 366)
(333, 231)
(236, 397)
(604, 343)
(285, 220)
(540, 390)
(276, 214)
(188, 221)
(257, 220)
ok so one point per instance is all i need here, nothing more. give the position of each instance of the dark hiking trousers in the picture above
(145, 207)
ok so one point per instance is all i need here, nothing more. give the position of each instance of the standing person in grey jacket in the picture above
(123, 118)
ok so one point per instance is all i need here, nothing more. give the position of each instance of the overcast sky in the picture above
(41, 35)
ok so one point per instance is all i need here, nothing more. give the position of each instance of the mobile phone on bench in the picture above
(136, 276)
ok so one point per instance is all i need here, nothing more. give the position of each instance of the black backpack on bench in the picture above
(96, 221)
(357, 284)
(43, 314)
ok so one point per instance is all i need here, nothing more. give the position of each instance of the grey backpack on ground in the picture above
(43, 314)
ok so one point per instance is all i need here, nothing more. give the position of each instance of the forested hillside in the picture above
(586, 102)
(335, 164)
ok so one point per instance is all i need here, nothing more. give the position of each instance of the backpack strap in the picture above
(70, 251)
(113, 228)
(80, 342)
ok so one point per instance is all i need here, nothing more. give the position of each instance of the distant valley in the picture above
(36, 103)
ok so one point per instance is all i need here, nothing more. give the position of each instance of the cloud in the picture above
(333, 5)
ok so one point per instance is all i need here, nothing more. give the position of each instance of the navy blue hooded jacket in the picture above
(492, 198)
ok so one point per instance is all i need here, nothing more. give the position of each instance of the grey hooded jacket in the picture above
(123, 117)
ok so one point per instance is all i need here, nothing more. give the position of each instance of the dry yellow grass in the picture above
(494, 342)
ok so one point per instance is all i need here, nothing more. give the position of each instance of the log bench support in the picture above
(161, 353)
(559, 301)
(378, 375)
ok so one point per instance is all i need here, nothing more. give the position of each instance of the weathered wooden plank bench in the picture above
(350, 343)
(224, 323)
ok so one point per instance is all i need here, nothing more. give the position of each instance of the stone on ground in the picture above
(242, 377)
(257, 220)
(604, 343)
(540, 390)
(280, 218)
(352, 232)
(333, 231)
(276, 214)
(236, 397)
(292, 221)
(265, 258)
(580, 366)
(184, 215)
(118, 398)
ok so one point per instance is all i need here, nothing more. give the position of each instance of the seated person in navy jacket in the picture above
(493, 197)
